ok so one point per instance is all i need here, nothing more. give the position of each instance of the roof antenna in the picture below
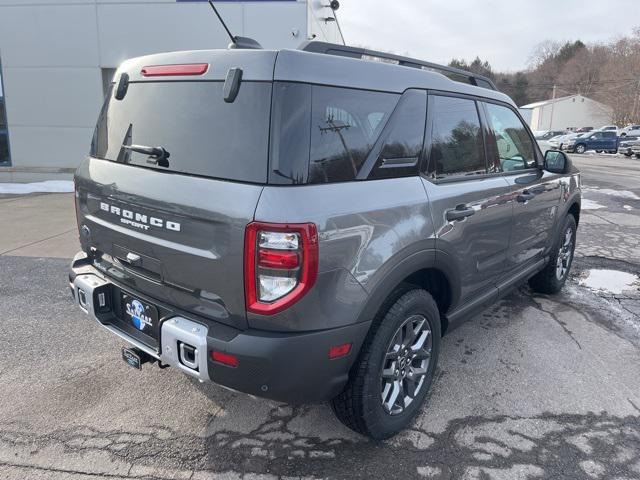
(236, 41)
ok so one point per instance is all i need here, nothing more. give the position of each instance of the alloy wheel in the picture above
(405, 365)
(565, 253)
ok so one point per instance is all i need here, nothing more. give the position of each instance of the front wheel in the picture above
(580, 149)
(391, 378)
(553, 277)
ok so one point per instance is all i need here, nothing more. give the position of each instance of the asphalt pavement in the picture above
(534, 387)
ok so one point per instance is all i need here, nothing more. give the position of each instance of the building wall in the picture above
(54, 53)
(573, 112)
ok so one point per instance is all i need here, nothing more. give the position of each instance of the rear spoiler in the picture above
(452, 73)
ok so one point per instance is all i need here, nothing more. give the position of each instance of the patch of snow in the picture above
(587, 204)
(627, 207)
(48, 186)
(619, 193)
(612, 281)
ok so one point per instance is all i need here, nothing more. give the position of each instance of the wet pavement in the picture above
(534, 387)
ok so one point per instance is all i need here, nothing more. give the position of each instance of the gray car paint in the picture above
(372, 234)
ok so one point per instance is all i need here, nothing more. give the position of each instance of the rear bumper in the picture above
(289, 367)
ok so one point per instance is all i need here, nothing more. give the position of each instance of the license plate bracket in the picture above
(140, 315)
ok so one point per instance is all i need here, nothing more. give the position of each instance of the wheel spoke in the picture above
(421, 341)
(389, 373)
(422, 354)
(392, 355)
(393, 396)
(409, 334)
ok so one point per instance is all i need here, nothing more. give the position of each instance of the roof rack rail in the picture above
(455, 74)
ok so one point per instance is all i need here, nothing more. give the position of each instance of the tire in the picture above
(638, 155)
(628, 155)
(552, 278)
(580, 148)
(360, 405)
(598, 151)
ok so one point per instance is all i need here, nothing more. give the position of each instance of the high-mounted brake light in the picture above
(174, 70)
(280, 265)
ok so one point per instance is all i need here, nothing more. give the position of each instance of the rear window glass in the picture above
(324, 134)
(202, 133)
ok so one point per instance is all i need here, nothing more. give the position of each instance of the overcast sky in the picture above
(504, 32)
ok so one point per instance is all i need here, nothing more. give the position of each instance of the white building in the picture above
(573, 111)
(57, 56)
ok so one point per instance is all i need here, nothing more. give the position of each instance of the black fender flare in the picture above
(396, 271)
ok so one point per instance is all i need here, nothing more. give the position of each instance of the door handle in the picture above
(525, 196)
(459, 213)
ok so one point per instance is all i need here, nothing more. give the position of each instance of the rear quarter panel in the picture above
(364, 228)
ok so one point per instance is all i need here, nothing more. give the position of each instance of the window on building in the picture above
(456, 138)
(5, 156)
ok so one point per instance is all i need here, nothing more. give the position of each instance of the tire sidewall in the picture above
(380, 423)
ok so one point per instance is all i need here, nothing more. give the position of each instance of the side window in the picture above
(515, 147)
(400, 152)
(345, 124)
(595, 136)
(456, 138)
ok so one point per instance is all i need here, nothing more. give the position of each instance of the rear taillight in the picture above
(280, 264)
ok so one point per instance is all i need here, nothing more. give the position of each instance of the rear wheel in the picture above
(391, 378)
(580, 148)
(553, 277)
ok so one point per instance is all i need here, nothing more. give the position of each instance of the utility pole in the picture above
(553, 102)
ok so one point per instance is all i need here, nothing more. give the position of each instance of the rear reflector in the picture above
(339, 351)
(174, 70)
(225, 359)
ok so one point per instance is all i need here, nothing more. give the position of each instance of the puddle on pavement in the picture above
(611, 281)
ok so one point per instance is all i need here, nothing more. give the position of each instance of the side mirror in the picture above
(556, 161)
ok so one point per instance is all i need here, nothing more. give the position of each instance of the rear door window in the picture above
(203, 134)
(457, 147)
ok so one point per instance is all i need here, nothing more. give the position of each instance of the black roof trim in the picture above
(355, 52)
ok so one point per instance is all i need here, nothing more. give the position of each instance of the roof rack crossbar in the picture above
(364, 53)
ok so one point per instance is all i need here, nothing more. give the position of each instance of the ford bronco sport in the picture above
(305, 225)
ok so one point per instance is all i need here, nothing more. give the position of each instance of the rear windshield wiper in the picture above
(157, 155)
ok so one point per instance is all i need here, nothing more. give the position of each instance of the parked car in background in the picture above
(584, 129)
(600, 141)
(557, 143)
(630, 131)
(626, 146)
(608, 128)
(547, 134)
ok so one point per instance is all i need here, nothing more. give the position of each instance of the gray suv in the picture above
(305, 225)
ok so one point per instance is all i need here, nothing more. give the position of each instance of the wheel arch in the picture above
(426, 270)
(574, 210)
